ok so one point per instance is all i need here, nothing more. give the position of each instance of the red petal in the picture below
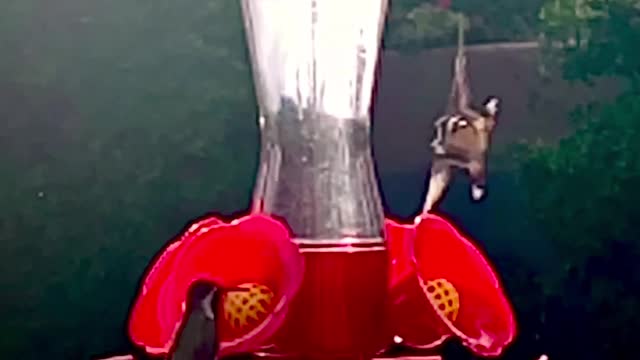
(454, 269)
(144, 322)
(254, 249)
(410, 314)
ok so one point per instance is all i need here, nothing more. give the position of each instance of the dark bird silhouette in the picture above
(198, 338)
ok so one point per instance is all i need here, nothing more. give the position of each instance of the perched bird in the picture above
(198, 339)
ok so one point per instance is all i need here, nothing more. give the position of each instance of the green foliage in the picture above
(414, 26)
(584, 193)
(502, 20)
(584, 190)
(592, 38)
(120, 121)
(418, 24)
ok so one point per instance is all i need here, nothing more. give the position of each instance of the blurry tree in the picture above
(119, 121)
(418, 24)
(415, 25)
(500, 20)
(592, 38)
(584, 190)
(583, 193)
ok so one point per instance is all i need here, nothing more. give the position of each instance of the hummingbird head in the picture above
(199, 290)
(207, 296)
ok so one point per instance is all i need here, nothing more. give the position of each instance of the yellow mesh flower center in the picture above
(444, 297)
(241, 306)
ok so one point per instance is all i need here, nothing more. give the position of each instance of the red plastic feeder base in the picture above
(339, 311)
(414, 357)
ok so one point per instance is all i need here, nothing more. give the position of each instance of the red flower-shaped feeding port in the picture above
(253, 252)
(440, 285)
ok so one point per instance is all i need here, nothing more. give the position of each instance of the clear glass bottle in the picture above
(314, 65)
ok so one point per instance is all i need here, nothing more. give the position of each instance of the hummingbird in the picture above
(198, 338)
